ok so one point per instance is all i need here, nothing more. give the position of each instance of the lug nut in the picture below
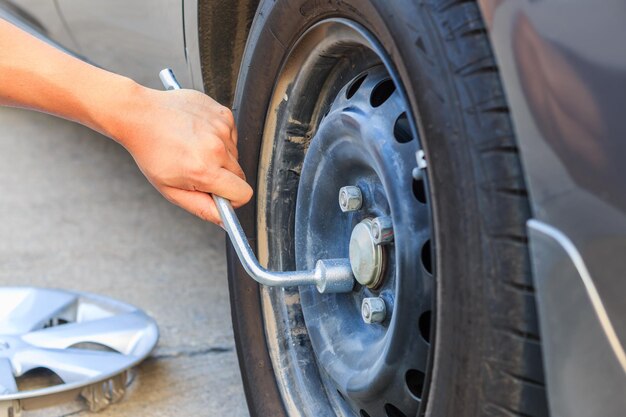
(382, 230)
(350, 198)
(418, 172)
(373, 310)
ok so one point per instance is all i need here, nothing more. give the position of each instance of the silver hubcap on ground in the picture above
(88, 341)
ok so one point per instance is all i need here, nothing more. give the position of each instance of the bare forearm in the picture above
(34, 75)
(183, 141)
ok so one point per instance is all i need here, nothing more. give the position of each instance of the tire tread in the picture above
(512, 311)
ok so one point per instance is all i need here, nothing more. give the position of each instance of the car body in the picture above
(563, 65)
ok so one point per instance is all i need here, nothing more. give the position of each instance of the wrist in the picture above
(120, 109)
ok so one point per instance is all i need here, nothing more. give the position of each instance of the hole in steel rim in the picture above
(415, 382)
(424, 325)
(419, 190)
(363, 413)
(393, 411)
(426, 257)
(402, 129)
(354, 87)
(382, 92)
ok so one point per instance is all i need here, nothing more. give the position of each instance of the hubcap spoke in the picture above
(34, 309)
(7, 380)
(123, 333)
(72, 365)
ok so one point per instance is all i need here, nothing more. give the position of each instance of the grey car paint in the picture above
(135, 38)
(564, 70)
(42, 17)
(563, 64)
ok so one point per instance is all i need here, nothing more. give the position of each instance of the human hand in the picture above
(185, 143)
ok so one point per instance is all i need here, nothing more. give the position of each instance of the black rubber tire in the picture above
(488, 354)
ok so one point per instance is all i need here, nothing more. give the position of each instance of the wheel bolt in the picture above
(382, 230)
(373, 310)
(350, 198)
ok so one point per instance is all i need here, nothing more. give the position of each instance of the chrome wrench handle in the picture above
(329, 275)
(168, 79)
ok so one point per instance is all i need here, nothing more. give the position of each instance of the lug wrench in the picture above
(329, 275)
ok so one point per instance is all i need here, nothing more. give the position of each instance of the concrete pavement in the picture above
(76, 213)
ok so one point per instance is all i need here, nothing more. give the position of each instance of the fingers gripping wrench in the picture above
(329, 275)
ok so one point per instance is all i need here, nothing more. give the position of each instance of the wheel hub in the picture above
(367, 258)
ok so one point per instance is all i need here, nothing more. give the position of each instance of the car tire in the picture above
(486, 357)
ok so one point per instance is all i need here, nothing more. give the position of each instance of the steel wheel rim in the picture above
(286, 331)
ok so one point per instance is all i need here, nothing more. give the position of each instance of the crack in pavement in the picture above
(190, 353)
